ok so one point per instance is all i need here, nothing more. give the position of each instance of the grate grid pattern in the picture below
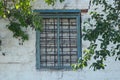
(67, 42)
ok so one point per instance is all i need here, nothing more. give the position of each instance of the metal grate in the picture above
(68, 39)
(48, 43)
(58, 42)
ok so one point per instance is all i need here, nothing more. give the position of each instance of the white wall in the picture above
(19, 60)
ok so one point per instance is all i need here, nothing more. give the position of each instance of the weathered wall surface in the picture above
(17, 62)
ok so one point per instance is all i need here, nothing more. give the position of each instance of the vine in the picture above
(21, 16)
(103, 34)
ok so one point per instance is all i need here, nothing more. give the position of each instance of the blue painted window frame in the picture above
(58, 14)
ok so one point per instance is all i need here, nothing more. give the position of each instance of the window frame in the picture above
(59, 14)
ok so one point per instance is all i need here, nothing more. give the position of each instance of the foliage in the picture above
(104, 35)
(20, 15)
(52, 2)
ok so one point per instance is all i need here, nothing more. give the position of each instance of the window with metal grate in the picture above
(58, 46)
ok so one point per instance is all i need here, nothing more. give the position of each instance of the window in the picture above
(59, 44)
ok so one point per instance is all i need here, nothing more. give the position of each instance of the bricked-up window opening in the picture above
(59, 44)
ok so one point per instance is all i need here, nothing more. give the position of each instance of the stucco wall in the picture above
(19, 60)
